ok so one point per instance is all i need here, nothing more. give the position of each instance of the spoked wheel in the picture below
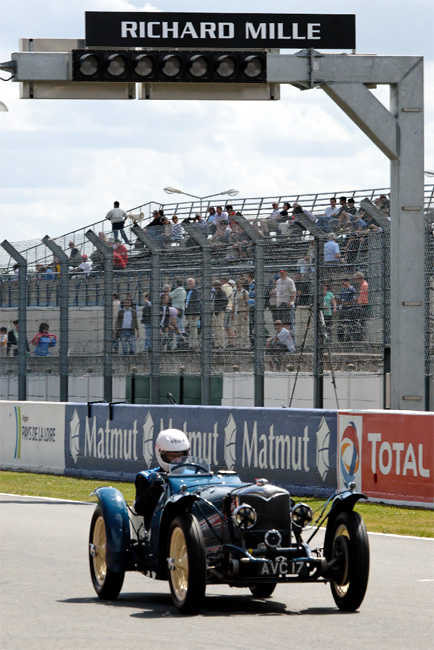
(350, 558)
(106, 583)
(186, 564)
(263, 590)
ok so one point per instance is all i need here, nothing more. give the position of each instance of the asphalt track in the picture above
(47, 600)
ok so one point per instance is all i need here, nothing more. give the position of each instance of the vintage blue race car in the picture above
(209, 527)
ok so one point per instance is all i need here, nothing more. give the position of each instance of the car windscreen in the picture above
(189, 466)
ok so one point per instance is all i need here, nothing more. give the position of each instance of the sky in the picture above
(64, 162)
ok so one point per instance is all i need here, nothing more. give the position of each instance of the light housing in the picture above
(197, 66)
(245, 516)
(301, 515)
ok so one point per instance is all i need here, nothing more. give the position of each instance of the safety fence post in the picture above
(107, 254)
(22, 319)
(64, 315)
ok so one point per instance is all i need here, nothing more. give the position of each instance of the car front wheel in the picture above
(106, 583)
(186, 563)
(350, 560)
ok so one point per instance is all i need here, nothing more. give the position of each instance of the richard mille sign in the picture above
(227, 31)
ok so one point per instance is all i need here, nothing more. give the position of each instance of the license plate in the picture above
(279, 566)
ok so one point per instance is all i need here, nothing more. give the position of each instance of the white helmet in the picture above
(170, 440)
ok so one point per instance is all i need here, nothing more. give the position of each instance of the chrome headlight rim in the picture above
(245, 516)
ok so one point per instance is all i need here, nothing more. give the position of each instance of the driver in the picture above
(171, 445)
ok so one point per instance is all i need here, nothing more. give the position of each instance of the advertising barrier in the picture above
(388, 455)
(295, 448)
(32, 436)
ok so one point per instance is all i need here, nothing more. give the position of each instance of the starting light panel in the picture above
(169, 66)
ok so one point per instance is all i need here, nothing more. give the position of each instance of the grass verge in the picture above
(378, 518)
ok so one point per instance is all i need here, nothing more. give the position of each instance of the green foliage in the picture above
(378, 518)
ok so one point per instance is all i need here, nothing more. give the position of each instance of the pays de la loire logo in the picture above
(349, 453)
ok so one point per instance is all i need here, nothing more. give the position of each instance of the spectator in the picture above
(285, 300)
(383, 204)
(3, 340)
(362, 309)
(303, 291)
(219, 302)
(212, 220)
(279, 345)
(12, 343)
(16, 270)
(177, 231)
(84, 268)
(127, 327)
(231, 213)
(202, 225)
(47, 273)
(240, 310)
(74, 255)
(346, 313)
(332, 253)
(192, 312)
(270, 223)
(329, 308)
(120, 256)
(168, 326)
(297, 210)
(221, 216)
(228, 287)
(222, 234)
(43, 341)
(332, 209)
(178, 297)
(325, 221)
(117, 217)
(146, 320)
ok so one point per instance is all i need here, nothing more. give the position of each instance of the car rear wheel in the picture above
(186, 564)
(350, 560)
(106, 583)
(263, 591)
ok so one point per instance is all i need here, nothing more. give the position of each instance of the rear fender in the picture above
(344, 501)
(117, 526)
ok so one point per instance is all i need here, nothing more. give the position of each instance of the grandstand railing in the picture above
(252, 208)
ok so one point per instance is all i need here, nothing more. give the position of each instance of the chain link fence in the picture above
(241, 296)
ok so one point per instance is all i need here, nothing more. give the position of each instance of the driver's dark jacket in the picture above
(149, 488)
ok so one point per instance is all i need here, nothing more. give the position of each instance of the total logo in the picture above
(350, 450)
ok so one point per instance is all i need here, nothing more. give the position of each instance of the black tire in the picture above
(106, 583)
(263, 590)
(350, 547)
(186, 563)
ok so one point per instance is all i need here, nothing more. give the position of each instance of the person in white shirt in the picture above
(331, 209)
(117, 217)
(85, 267)
(279, 344)
(285, 300)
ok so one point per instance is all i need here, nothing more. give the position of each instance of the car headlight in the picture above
(301, 515)
(244, 516)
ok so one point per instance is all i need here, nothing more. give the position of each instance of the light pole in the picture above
(173, 190)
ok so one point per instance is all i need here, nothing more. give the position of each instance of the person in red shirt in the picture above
(120, 256)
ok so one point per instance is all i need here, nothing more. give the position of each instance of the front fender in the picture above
(176, 504)
(117, 527)
(343, 501)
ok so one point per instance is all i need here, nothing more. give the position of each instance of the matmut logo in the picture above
(350, 450)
